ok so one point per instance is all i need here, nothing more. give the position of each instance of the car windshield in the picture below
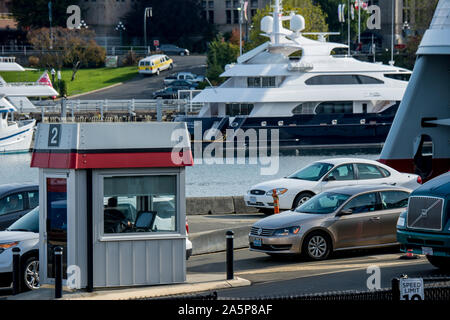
(29, 222)
(313, 172)
(326, 202)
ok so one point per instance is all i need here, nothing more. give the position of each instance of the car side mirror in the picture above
(345, 212)
(330, 178)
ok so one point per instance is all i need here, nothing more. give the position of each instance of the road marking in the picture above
(341, 267)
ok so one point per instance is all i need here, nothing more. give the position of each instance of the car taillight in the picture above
(419, 179)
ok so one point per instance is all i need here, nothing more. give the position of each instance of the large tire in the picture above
(157, 72)
(30, 274)
(316, 246)
(442, 263)
(301, 198)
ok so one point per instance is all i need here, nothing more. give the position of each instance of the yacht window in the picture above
(238, 109)
(298, 109)
(398, 76)
(261, 82)
(331, 107)
(342, 80)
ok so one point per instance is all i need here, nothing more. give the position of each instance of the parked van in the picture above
(425, 227)
(155, 64)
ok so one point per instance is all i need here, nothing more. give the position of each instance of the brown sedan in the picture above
(339, 219)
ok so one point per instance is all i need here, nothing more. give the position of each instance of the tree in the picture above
(35, 13)
(315, 19)
(174, 21)
(72, 48)
(220, 53)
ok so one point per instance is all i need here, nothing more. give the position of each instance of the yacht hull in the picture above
(17, 138)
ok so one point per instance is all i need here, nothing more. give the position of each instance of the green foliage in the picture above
(220, 53)
(69, 48)
(130, 59)
(315, 19)
(61, 87)
(35, 14)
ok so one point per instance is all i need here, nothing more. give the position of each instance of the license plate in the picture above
(257, 242)
(427, 251)
(253, 199)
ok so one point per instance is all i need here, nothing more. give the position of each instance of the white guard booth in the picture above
(113, 196)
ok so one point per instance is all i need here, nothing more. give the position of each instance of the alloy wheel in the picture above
(317, 246)
(31, 275)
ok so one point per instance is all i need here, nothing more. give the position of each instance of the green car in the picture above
(425, 227)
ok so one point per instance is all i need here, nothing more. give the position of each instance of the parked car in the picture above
(166, 93)
(24, 234)
(424, 227)
(188, 76)
(338, 219)
(15, 201)
(323, 175)
(155, 64)
(173, 49)
(183, 85)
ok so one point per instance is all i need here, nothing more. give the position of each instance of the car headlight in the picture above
(287, 231)
(279, 191)
(7, 245)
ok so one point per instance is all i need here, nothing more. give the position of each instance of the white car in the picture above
(300, 186)
(23, 234)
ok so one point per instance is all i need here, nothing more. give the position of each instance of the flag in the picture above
(352, 12)
(45, 80)
(245, 10)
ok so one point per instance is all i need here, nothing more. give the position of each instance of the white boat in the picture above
(419, 141)
(16, 136)
(319, 98)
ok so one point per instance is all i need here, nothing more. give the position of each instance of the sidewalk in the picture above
(195, 283)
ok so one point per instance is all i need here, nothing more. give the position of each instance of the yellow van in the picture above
(155, 64)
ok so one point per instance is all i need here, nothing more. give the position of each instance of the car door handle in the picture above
(375, 218)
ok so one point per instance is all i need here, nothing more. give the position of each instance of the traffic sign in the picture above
(411, 289)
(156, 43)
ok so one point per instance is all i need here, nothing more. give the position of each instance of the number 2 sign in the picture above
(54, 135)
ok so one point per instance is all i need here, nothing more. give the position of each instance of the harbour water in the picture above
(202, 180)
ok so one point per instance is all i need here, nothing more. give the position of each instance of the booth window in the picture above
(140, 204)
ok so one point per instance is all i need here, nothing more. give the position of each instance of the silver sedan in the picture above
(339, 219)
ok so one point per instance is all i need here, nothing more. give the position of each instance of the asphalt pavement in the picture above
(142, 87)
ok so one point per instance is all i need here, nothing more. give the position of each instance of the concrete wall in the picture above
(217, 205)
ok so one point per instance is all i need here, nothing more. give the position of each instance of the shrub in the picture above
(130, 59)
(33, 61)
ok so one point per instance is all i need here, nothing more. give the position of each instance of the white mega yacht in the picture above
(318, 98)
(16, 136)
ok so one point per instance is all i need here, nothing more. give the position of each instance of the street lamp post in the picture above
(241, 9)
(147, 14)
(120, 27)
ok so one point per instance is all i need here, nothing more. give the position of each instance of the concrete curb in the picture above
(214, 241)
(96, 90)
(161, 291)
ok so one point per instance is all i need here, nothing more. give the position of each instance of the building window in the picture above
(235, 4)
(140, 204)
(211, 4)
(204, 4)
(331, 107)
(235, 16)
(238, 109)
(261, 82)
(228, 16)
(228, 4)
(342, 80)
(254, 3)
(211, 16)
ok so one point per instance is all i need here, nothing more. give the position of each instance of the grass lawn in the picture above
(85, 80)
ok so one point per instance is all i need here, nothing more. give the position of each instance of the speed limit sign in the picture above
(411, 289)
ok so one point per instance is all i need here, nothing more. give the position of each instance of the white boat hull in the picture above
(17, 138)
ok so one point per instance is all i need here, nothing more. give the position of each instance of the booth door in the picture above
(56, 221)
